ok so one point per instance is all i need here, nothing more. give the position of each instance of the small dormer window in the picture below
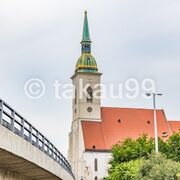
(164, 134)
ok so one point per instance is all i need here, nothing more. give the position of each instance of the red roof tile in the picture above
(174, 126)
(120, 123)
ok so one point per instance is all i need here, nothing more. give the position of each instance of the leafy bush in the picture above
(133, 149)
(173, 147)
(158, 167)
(127, 155)
(125, 171)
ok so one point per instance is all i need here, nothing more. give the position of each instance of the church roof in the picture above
(174, 126)
(120, 123)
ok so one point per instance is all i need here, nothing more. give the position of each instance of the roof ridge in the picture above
(173, 120)
(134, 108)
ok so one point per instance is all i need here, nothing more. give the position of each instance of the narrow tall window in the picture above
(95, 164)
(95, 178)
(89, 94)
(75, 98)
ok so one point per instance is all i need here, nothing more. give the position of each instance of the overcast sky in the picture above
(131, 39)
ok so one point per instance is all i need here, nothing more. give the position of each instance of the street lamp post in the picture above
(155, 119)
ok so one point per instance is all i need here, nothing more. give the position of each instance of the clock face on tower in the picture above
(89, 109)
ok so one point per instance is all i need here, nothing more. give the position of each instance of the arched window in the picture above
(95, 178)
(89, 94)
(95, 164)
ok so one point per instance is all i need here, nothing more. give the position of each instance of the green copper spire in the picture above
(86, 62)
(86, 36)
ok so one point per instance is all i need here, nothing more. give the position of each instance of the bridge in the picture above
(25, 153)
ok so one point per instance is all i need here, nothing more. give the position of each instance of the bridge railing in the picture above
(13, 121)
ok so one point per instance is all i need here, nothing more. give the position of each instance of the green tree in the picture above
(132, 149)
(158, 167)
(173, 147)
(126, 157)
(127, 154)
(125, 171)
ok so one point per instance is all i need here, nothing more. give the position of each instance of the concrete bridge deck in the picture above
(28, 155)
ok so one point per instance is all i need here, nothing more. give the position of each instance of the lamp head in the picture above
(148, 94)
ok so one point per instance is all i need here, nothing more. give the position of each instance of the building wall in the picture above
(102, 165)
(10, 175)
(76, 149)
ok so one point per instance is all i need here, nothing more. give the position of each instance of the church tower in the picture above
(86, 81)
(86, 103)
